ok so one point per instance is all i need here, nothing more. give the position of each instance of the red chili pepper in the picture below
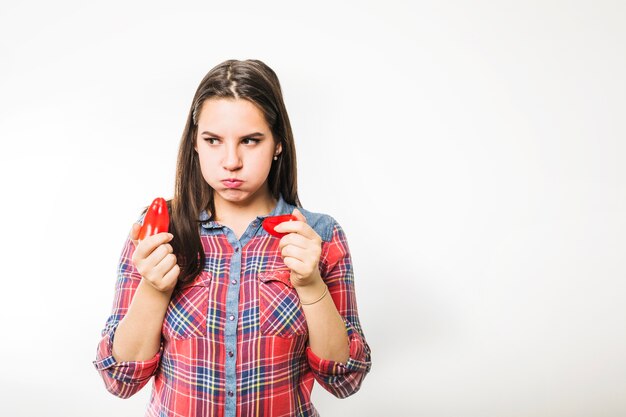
(269, 223)
(157, 219)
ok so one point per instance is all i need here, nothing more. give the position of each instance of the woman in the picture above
(228, 318)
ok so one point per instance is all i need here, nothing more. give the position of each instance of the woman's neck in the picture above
(232, 212)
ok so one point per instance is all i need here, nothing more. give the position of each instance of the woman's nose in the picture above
(232, 160)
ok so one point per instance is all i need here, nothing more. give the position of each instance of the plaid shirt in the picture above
(234, 340)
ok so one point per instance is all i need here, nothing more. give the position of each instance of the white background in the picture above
(474, 152)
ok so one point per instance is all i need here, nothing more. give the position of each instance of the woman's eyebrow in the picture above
(255, 134)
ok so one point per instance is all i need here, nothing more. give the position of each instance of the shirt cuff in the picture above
(357, 362)
(129, 371)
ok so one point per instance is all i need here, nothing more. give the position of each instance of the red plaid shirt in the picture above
(234, 341)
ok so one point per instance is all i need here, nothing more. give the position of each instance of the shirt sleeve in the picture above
(123, 379)
(341, 379)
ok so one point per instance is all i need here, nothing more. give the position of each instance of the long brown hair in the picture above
(250, 80)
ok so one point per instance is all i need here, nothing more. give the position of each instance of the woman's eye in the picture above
(211, 141)
(248, 141)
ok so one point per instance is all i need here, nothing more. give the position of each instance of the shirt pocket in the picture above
(279, 305)
(186, 315)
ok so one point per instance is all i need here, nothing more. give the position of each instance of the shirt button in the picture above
(231, 317)
(230, 393)
(234, 282)
(231, 353)
(236, 249)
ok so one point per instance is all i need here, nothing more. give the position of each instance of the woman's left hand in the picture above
(301, 249)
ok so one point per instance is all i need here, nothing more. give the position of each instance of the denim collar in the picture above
(282, 207)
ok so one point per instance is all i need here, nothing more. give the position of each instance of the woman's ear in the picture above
(279, 149)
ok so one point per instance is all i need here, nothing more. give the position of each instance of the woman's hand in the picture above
(155, 260)
(301, 249)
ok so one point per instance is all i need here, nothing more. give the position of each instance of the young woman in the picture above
(230, 320)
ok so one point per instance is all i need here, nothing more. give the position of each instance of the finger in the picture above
(297, 240)
(298, 215)
(303, 255)
(146, 255)
(134, 233)
(157, 255)
(164, 266)
(169, 280)
(150, 243)
(295, 265)
(298, 227)
(291, 251)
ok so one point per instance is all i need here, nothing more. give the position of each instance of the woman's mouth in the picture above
(232, 183)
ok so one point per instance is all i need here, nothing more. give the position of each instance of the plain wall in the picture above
(474, 153)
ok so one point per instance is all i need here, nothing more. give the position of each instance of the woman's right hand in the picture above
(155, 260)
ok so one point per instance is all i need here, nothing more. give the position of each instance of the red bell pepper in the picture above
(157, 219)
(269, 223)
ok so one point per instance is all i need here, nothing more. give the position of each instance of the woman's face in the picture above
(236, 148)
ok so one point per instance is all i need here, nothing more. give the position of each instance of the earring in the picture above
(275, 157)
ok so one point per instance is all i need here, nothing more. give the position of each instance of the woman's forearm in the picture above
(138, 335)
(328, 337)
